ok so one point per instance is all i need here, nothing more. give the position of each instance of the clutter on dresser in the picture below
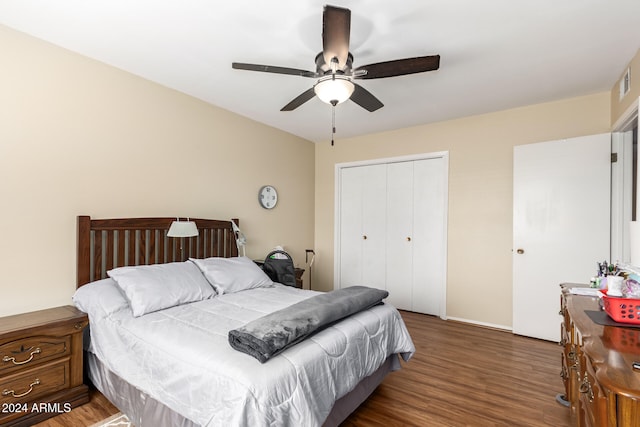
(604, 271)
(626, 283)
(619, 288)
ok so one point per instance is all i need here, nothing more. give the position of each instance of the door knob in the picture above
(408, 239)
(520, 251)
(364, 237)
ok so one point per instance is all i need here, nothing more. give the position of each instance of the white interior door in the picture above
(561, 225)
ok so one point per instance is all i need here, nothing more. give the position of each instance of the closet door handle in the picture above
(408, 239)
(364, 237)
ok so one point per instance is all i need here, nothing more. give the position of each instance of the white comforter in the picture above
(181, 357)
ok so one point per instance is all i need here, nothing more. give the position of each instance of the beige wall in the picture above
(80, 137)
(480, 192)
(620, 106)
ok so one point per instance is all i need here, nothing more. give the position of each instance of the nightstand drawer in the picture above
(41, 364)
(36, 382)
(25, 352)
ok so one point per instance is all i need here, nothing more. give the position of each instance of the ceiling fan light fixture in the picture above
(334, 89)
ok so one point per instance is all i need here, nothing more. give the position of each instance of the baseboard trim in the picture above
(483, 324)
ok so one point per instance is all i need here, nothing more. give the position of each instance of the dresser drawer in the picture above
(30, 384)
(26, 352)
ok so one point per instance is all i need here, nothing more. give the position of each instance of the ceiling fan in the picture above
(334, 73)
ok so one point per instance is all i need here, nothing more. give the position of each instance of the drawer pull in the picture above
(13, 359)
(563, 373)
(585, 388)
(13, 393)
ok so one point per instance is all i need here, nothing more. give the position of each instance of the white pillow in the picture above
(158, 286)
(228, 275)
(100, 299)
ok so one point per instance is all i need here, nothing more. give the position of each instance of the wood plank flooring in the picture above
(462, 375)
(90, 413)
(465, 375)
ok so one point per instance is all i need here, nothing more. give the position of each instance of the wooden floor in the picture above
(464, 375)
(90, 413)
(461, 375)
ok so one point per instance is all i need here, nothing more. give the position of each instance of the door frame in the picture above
(386, 160)
(621, 183)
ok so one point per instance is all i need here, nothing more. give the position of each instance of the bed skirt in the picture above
(144, 411)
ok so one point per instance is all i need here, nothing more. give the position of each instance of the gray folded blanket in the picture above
(269, 335)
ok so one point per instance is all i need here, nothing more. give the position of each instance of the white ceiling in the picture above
(495, 54)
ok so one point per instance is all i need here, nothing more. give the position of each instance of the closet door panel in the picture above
(351, 262)
(374, 222)
(399, 277)
(429, 257)
(362, 226)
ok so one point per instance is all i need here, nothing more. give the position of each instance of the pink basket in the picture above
(623, 310)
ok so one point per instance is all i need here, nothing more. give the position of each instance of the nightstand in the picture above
(41, 365)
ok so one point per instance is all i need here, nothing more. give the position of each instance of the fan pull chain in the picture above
(333, 122)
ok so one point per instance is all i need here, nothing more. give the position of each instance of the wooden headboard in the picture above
(104, 244)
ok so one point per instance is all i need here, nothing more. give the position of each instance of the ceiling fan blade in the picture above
(273, 69)
(399, 67)
(336, 27)
(299, 100)
(365, 99)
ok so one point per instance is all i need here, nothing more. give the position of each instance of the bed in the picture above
(170, 363)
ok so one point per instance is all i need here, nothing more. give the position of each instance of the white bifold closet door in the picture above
(363, 235)
(392, 231)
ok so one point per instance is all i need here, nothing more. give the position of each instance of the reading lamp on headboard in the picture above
(182, 229)
(241, 240)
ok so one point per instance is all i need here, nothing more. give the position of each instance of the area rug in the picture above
(117, 420)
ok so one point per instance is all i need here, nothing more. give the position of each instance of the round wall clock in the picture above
(268, 197)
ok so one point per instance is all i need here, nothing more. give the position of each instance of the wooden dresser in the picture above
(41, 365)
(601, 386)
